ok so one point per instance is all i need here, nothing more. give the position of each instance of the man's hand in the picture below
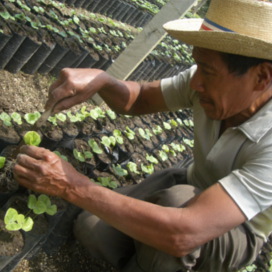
(74, 86)
(43, 171)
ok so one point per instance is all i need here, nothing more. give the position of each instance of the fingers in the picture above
(58, 98)
(35, 152)
(61, 89)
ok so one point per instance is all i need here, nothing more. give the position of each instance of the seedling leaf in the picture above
(93, 144)
(32, 138)
(119, 170)
(2, 161)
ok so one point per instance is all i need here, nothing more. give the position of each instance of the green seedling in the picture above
(179, 121)
(165, 148)
(108, 141)
(119, 171)
(129, 133)
(118, 136)
(178, 147)
(148, 169)
(15, 221)
(111, 114)
(132, 167)
(16, 117)
(97, 113)
(6, 119)
(31, 118)
(167, 126)
(95, 147)
(157, 130)
(145, 133)
(61, 116)
(163, 155)
(32, 138)
(2, 161)
(6, 15)
(188, 123)
(173, 123)
(82, 156)
(151, 159)
(41, 204)
(107, 182)
(53, 120)
(189, 142)
(74, 118)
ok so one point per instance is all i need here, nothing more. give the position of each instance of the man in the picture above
(216, 215)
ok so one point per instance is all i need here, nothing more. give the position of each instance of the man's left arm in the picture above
(176, 231)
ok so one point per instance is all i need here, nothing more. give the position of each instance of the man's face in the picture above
(221, 94)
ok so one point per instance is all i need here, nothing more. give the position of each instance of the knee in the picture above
(84, 226)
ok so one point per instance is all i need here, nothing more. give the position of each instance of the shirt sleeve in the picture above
(176, 90)
(251, 186)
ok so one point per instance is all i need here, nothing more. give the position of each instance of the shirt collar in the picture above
(259, 124)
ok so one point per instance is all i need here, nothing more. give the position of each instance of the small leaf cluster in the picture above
(38, 205)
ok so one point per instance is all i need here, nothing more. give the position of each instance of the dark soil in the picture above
(28, 93)
(24, 93)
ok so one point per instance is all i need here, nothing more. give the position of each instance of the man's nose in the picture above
(197, 83)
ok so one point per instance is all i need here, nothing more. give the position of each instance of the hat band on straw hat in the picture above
(242, 27)
(209, 25)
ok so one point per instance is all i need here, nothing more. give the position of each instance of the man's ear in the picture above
(263, 76)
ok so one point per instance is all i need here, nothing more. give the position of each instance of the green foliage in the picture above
(189, 142)
(74, 118)
(151, 159)
(163, 155)
(32, 138)
(118, 136)
(167, 126)
(173, 123)
(31, 118)
(145, 133)
(82, 156)
(111, 114)
(61, 116)
(148, 169)
(107, 182)
(41, 204)
(97, 113)
(6, 119)
(188, 123)
(129, 133)
(16, 118)
(2, 161)
(108, 141)
(119, 171)
(95, 147)
(157, 130)
(15, 221)
(132, 166)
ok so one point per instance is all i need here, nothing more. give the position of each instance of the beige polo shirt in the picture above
(240, 160)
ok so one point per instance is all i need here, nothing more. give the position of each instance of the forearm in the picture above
(120, 96)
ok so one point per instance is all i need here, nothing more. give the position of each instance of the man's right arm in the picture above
(75, 86)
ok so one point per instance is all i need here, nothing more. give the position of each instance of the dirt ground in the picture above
(27, 93)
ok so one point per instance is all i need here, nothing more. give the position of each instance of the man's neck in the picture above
(243, 116)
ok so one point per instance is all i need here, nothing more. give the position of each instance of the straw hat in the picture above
(242, 27)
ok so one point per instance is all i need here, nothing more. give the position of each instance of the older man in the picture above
(213, 216)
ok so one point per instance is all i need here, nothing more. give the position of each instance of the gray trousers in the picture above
(235, 249)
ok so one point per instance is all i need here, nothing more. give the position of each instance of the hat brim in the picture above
(188, 31)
